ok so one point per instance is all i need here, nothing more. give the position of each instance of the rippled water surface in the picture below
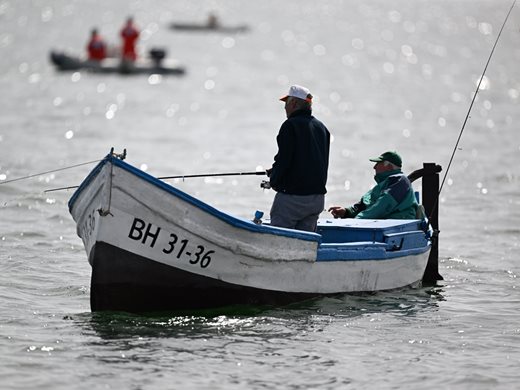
(385, 75)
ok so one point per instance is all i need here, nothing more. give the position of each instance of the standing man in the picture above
(299, 171)
(129, 33)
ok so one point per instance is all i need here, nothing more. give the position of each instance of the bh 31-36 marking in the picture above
(179, 248)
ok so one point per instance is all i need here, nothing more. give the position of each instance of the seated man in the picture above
(391, 198)
(96, 47)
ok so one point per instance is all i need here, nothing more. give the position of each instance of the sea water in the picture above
(386, 75)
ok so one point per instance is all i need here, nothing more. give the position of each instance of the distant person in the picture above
(299, 171)
(129, 34)
(391, 198)
(96, 47)
(212, 21)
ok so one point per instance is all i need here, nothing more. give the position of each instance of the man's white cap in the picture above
(299, 92)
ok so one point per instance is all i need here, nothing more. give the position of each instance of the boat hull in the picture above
(65, 62)
(208, 28)
(153, 247)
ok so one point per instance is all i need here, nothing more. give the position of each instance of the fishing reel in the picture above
(265, 184)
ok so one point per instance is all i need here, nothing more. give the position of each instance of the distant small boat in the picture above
(155, 64)
(209, 27)
(153, 247)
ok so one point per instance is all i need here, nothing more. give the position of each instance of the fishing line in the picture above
(46, 172)
(473, 101)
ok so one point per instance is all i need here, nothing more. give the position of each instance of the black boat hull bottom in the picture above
(124, 281)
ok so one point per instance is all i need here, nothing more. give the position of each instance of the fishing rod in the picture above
(213, 174)
(473, 101)
(181, 177)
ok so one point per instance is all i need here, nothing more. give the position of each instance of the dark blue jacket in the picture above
(301, 164)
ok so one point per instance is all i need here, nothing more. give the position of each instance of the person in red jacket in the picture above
(96, 48)
(129, 33)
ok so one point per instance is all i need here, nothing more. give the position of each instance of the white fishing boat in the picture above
(153, 247)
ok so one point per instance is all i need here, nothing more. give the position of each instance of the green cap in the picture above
(391, 157)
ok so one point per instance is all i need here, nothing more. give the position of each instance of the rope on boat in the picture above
(51, 171)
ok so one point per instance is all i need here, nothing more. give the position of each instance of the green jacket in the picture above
(391, 198)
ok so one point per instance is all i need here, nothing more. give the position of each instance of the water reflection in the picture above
(403, 302)
(264, 322)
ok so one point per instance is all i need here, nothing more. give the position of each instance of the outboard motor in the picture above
(157, 56)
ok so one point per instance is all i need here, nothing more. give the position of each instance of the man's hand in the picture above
(337, 211)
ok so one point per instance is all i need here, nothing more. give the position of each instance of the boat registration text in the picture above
(178, 247)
